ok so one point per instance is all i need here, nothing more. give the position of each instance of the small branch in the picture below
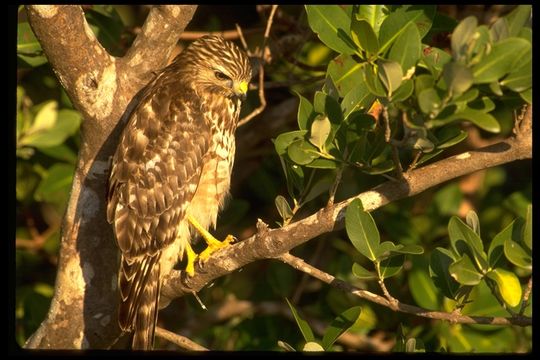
(526, 294)
(154, 44)
(227, 34)
(301, 265)
(263, 58)
(388, 138)
(179, 340)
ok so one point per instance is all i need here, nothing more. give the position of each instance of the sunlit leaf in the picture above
(331, 24)
(508, 285)
(500, 60)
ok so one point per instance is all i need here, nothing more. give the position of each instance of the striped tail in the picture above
(139, 284)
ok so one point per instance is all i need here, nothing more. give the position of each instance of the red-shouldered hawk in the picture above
(172, 168)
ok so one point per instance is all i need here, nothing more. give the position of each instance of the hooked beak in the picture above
(240, 89)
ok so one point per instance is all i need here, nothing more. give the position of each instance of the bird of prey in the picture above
(171, 173)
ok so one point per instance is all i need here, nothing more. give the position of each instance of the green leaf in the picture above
(329, 21)
(373, 14)
(66, 124)
(339, 325)
(500, 60)
(306, 331)
(521, 79)
(479, 118)
(407, 48)
(449, 136)
(362, 230)
(414, 345)
(423, 291)
(61, 152)
(526, 95)
(56, 184)
(362, 273)
(473, 222)
(282, 142)
(527, 229)
(322, 164)
(410, 249)
(499, 30)
(515, 253)
(305, 113)
(462, 37)
(390, 74)
(403, 92)
(346, 73)
(320, 129)
(496, 248)
(439, 265)
(363, 35)
(373, 82)
(464, 271)
(385, 249)
(458, 78)
(434, 59)
(518, 18)
(29, 51)
(508, 285)
(46, 117)
(429, 101)
(359, 98)
(391, 266)
(283, 208)
(395, 24)
(458, 230)
(302, 152)
(312, 346)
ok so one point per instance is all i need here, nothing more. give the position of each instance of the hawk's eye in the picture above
(221, 76)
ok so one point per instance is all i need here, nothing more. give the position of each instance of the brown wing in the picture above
(154, 175)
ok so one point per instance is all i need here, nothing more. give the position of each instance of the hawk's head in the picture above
(217, 66)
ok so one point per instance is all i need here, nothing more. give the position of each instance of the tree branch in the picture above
(271, 243)
(159, 34)
(395, 304)
(179, 340)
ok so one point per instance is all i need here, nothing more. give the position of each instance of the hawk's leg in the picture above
(191, 256)
(213, 243)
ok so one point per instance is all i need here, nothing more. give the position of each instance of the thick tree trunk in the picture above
(83, 309)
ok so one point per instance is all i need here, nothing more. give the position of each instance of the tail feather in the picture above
(139, 285)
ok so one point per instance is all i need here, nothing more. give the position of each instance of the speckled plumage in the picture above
(174, 159)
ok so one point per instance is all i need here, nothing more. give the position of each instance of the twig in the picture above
(526, 295)
(226, 34)
(262, 60)
(179, 340)
(388, 138)
(301, 265)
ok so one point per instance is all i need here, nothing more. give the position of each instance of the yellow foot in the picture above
(215, 245)
(191, 256)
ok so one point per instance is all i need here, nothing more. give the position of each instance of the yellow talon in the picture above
(213, 243)
(191, 256)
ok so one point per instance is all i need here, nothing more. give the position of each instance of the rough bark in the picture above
(83, 309)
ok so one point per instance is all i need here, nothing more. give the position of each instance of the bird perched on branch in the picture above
(171, 173)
